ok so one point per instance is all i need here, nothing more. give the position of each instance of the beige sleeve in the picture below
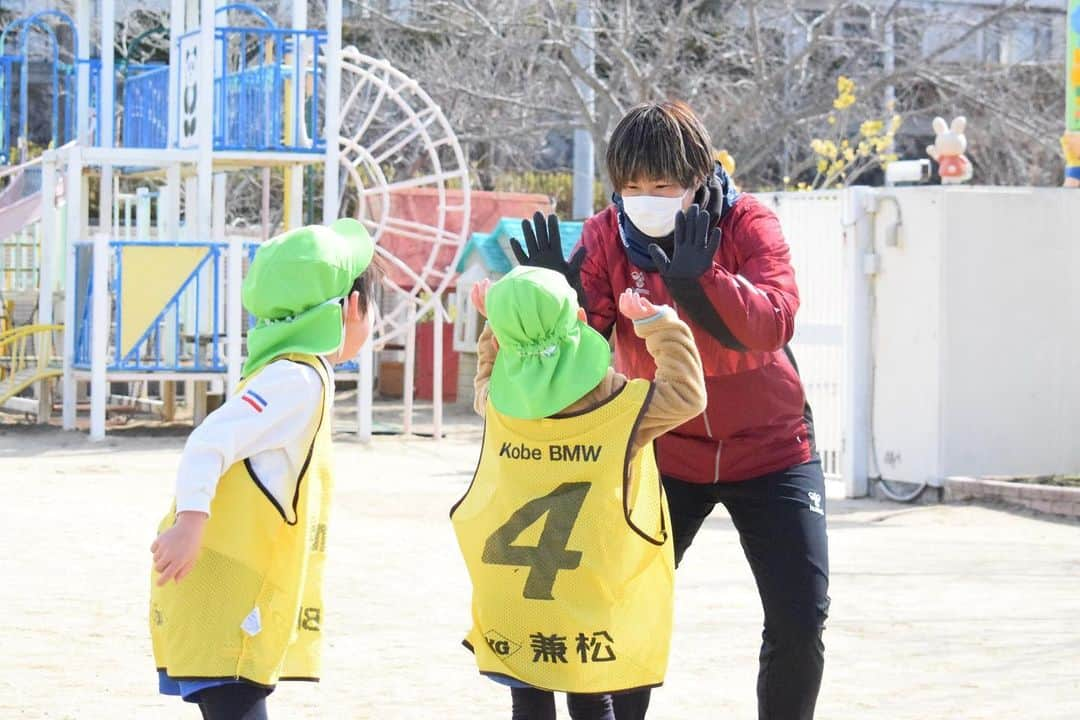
(679, 384)
(485, 360)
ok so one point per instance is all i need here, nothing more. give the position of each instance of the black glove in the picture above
(695, 246)
(545, 250)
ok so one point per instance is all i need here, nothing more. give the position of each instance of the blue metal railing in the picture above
(253, 67)
(22, 33)
(186, 336)
(64, 102)
(95, 98)
(146, 102)
(7, 121)
(245, 121)
(94, 66)
(15, 80)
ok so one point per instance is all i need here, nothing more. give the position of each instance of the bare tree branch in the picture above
(762, 75)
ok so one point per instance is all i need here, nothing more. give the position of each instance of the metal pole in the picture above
(164, 202)
(46, 279)
(264, 220)
(205, 122)
(73, 189)
(408, 386)
(234, 272)
(194, 391)
(364, 402)
(437, 369)
(24, 83)
(584, 169)
(169, 231)
(233, 306)
(333, 110)
(116, 202)
(47, 273)
(204, 132)
(177, 27)
(82, 72)
(108, 75)
(859, 246)
(172, 203)
(99, 338)
(143, 211)
(294, 213)
(101, 317)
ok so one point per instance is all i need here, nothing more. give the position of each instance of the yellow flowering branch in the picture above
(841, 158)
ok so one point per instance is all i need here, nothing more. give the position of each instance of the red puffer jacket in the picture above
(757, 420)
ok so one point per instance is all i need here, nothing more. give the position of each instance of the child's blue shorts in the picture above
(186, 688)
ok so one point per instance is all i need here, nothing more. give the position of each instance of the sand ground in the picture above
(937, 611)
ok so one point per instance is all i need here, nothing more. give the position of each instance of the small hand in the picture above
(635, 306)
(479, 295)
(177, 549)
(695, 246)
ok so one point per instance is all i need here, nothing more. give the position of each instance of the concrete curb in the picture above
(1051, 499)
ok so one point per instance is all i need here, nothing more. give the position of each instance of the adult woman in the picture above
(680, 234)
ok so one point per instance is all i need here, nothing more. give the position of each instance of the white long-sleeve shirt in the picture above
(271, 424)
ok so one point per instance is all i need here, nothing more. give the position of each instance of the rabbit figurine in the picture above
(948, 151)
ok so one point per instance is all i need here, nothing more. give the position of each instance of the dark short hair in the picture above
(367, 283)
(660, 140)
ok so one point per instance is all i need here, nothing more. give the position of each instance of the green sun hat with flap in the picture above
(548, 358)
(295, 286)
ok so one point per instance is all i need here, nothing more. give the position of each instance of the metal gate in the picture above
(813, 225)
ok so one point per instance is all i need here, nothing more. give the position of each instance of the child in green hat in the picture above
(565, 529)
(236, 602)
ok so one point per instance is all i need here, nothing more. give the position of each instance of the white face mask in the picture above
(653, 215)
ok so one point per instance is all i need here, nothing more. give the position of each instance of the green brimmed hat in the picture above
(294, 288)
(548, 358)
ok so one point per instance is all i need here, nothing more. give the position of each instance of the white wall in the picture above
(977, 334)
(814, 231)
(906, 338)
(1013, 263)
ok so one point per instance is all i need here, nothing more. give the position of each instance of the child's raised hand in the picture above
(635, 306)
(479, 295)
(177, 549)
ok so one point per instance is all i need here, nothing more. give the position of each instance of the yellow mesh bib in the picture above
(252, 606)
(566, 540)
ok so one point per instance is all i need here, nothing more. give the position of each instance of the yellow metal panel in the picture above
(151, 276)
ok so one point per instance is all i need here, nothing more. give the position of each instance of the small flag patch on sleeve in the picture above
(255, 400)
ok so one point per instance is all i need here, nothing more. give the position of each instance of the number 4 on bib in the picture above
(550, 555)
